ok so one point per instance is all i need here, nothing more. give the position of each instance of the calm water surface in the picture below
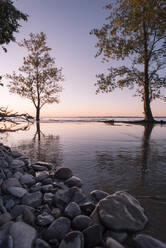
(107, 157)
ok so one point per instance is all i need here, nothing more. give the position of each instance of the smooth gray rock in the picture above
(40, 243)
(23, 235)
(121, 211)
(10, 182)
(87, 207)
(73, 240)
(32, 199)
(82, 222)
(16, 154)
(61, 198)
(9, 204)
(17, 191)
(146, 241)
(72, 210)
(44, 219)
(29, 217)
(98, 195)
(17, 163)
(77, 195)
(41, 175)
(63, 173)
(111, 243)
(58, 229)
(27, 179)
(92, 236)
(18, 174)
(73, 181)
(5, 218)
(19, 210)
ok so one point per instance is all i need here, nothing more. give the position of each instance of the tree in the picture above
(9, 21)
(134, 33)
(39, 79)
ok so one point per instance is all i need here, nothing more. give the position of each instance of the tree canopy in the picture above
(134, 33)
(39, 79)
(10, 18)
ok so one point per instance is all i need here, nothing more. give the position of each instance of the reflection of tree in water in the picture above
(134, 164)
(43, 147)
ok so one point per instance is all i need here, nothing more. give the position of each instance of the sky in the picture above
(67, 24)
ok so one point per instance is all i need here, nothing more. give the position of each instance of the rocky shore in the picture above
(44, 207)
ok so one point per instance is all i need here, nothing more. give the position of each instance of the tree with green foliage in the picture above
(10, 18)
(39, 79)
(134, 34)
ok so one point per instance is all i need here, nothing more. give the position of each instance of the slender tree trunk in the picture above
(147, 109)
(37, 114)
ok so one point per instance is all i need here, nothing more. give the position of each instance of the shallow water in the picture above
(106, 157)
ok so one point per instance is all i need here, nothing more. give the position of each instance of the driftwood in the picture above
(11, 122)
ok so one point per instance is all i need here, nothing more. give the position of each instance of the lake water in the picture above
(107, 157)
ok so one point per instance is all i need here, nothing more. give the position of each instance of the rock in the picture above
(32, 199)
(9, 204)
(5, 218)
(98, 195)
(56, 212)
(77, 195)
(121, 211)
(54, 242)
(92, 236)
(29, 217)
(27, 179)
(41, 175)
(47, 188)
(19, 210)
(48, 197)
(36, 187)
(44, 219)
(23, 235)
(118, 236)
(82, 222)
(45, 164)
(73, 181)
(111, 243)
(17, 163)
(62, 198)
(10, 182)
(18, 174)
(87, 207)
(72, 210)
(73, 240)
(47, 181)
(2, 207)
(17, 191)
(58, 229)
(16, 154)
(146, 241)
(39, 167)
(63, 173)
(39, 243)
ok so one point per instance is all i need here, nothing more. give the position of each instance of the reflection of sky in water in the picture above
(108, 157)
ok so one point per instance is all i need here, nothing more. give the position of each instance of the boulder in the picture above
(23, 235)
(41, 175)
(17, 163)
(48, 165)
(27, 179)
(121, 211)
(40, 243)
(73, 240)
(45, 219)
(5, 218)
